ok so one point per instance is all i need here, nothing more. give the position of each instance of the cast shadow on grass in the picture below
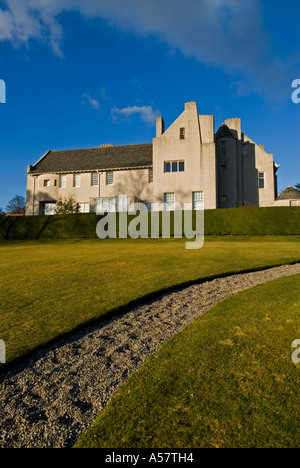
(12, 368)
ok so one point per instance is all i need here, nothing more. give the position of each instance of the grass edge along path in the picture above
(51, 288)
(226, 380)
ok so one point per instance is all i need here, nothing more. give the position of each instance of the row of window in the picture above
(174, 166)
(94, 179)
(114, 204)
(170, 202)
(121, 203)
(169, 166)
(76, 180)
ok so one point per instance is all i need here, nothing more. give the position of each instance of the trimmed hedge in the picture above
(253, 221)
(222, 222)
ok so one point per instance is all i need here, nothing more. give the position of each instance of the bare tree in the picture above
(16, 205)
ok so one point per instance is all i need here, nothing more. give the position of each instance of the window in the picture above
(94, 178)
(106, 205)
(223, 148)
(224, 167)
(46, 183)
(244, 149)
(76, 180)
(174, 166)
(167, 167)
(261, 180)
(169, 201)
(182, 134)
(122, 203)
(224, 198)
(116, 204)
(109, 178)
(181, 166)
(83, 207)
(294, 203)
(198, 198)
(150, 175)
(63, 181)
(48, 209)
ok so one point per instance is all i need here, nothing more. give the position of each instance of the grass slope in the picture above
(227, 380)
(47, 288)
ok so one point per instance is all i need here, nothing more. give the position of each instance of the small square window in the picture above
(109, 178)
(224, 198)
(46, 183)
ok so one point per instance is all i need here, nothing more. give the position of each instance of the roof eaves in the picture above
(128, 168)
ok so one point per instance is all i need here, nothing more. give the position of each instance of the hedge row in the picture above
(222, 222)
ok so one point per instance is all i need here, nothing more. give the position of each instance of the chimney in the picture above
(160, 126)
(235, 126)
(192, 105)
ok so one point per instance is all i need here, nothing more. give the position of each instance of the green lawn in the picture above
(227, 380)
(48, 288)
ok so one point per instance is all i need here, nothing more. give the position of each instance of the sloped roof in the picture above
(102, 158)
(224, 132)
(289, 194)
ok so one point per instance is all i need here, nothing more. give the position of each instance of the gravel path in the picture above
(51, 398)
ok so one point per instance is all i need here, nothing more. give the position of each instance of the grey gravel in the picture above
(53, 396)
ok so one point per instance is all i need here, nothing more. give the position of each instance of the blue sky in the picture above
(84, 73)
